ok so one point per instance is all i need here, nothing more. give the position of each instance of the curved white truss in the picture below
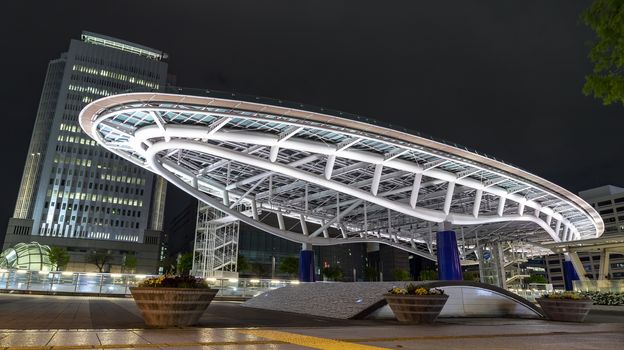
(342, 180)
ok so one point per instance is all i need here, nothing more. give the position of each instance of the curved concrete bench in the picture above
(469, 299)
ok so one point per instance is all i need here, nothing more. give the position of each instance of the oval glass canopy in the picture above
(319, 177)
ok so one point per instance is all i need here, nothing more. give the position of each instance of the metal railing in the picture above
(615, 286)
(92, 283)
(69, 282)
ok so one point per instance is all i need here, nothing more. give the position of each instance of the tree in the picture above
(99, 258)
(58, 258)
(129, 263)
(289, 265)
(241, 263)
(428, 275)
(606, 82)
(333, 273)
(185, 263)
(471, 276)
(536, 279)
(371, 274)
(169, 265)
(401, 275)
(258, 269)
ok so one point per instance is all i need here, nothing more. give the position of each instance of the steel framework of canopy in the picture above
(341, 177)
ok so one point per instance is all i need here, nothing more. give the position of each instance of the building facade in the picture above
(74, 193)
(609, 202)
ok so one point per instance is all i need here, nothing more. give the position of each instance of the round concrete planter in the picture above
(416, 308)
(567, 310)
(167, 307)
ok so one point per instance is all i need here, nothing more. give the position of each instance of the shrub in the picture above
(401, 275)
(428, 275)
(333, 273)
(605, 298)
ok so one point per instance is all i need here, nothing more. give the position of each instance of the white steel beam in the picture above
(422, 213)
(304, 225)
(501, 205)
(415, 189)
(329, 166)
(449, 197)
(477, 203)
(376, 179)
(335, 219)
(316, 147)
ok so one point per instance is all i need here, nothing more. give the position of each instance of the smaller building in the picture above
(609, 202)
(26, 256)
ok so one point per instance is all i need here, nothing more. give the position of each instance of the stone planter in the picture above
(567, 310)
(416, 308)
(167, 307)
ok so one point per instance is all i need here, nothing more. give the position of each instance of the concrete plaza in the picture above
(33, 322)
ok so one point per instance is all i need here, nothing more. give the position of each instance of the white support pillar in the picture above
(280, 221)
(325, 232)
(376, 179)
(226, 198)
(501, 206)
(415, 189)
(449, 197)
(481, 250)
(254, 210)
(500, 265)
(304, 226)
(557, 227)
(604, 264)
(274, 152)
(306, 198)
(521, 208)
(329, 166)
(477, 203)
(578, 266)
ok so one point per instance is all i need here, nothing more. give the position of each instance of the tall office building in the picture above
(74, 193)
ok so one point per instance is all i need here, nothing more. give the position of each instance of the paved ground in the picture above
(34, 322)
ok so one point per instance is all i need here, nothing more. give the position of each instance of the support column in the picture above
(449, 267)
(604, 265)
(306, 264)
(481, 258)
(499, 254)
(569, 273)
(578, 266)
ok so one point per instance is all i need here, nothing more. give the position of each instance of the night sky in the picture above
(502, 77)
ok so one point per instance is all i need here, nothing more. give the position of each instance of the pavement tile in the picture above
(118, 336)
(26, 338)
(200, 335)
(74, 338)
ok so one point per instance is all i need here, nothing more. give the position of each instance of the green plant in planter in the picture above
(565, 296)
(174, 282)
(167, 301)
